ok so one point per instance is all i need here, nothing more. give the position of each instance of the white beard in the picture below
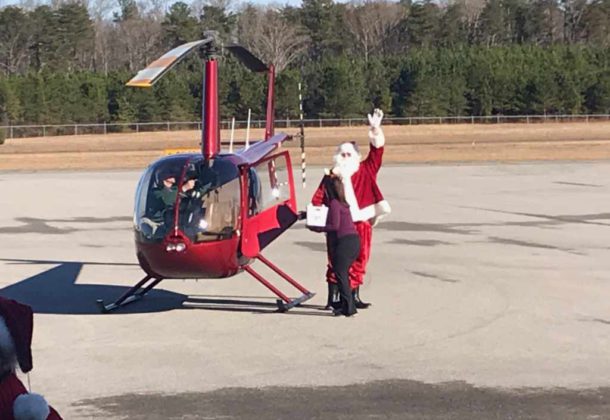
(346, 166)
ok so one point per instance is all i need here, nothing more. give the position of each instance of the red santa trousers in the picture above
(358, 267)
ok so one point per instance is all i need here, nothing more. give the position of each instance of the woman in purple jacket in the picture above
(344, 242)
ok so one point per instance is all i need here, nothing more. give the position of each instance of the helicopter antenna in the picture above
(302, 135)
(232, 135)
(248, 129)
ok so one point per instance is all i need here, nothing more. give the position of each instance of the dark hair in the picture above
(335, 189)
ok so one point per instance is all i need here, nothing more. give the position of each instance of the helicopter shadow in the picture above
(226, 303)
(56, 291)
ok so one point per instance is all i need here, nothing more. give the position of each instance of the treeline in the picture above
(66, 63)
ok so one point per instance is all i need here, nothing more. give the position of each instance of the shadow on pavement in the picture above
(392, 399)
(55, 291)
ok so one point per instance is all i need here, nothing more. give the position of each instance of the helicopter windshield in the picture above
(206, 193)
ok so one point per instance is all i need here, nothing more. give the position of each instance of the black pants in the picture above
(344, 252)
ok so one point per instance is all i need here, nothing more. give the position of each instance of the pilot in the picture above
(166, 192)
(162, 198)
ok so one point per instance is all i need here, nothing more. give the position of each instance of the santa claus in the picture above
(367, 204)
(16, 403)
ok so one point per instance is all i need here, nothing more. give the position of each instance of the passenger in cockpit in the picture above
(191, 205)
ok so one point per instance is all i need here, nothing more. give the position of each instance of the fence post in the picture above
(44, 131)
(11, 132)
(527, 119)
(320, 121)
(75, 129)
(167, 125)
(137, 127)
(105, 128)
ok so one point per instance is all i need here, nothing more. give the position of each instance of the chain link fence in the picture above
(21, 131)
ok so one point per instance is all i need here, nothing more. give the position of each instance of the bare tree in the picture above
(25, 4)
(100, 9)
(154, 9)
(269, 34)
(15, 39)
(133, 43)
(472, 11)
(573, 12)
(372, 22)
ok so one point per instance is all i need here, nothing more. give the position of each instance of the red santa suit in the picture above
(362, 193)
(16, 403)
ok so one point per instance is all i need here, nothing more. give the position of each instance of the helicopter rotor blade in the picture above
(157, 69)
(248, 59)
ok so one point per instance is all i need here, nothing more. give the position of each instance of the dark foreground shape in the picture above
(396, 399)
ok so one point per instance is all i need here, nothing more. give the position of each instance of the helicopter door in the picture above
(271, 202)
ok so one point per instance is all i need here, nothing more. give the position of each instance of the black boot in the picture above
(359, 304)
(334, 299)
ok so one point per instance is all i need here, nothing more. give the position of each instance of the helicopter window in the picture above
(254, 192)
(272, 178)
(156, 197)
(209, 201)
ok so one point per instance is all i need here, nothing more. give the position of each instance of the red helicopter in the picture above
(210, 214)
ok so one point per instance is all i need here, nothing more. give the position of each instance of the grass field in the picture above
(405, 144)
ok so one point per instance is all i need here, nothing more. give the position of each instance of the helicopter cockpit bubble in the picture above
(205, 192)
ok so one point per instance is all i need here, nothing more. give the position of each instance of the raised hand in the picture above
(375, 119)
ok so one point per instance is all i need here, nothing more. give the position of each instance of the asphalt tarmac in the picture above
(488, 282)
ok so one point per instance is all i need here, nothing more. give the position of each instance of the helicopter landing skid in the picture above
(134, 294)
(284, 303)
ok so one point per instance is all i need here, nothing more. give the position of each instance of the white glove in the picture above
(375, 133)
(375, 119)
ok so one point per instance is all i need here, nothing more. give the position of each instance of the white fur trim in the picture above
(8, 354)
(350, 196)
(376, 137)
(382, 208)
(30, 407)
(6, 340)
(376, 210)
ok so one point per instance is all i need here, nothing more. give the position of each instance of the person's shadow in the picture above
(55, 291)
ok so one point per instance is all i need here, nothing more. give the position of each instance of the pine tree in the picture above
(179, 26)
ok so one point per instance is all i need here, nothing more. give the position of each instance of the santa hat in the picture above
(16, 331)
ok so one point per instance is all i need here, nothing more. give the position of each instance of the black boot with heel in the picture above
(334, 299)
(359, 303)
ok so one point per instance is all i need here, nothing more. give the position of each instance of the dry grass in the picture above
(419, 143)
